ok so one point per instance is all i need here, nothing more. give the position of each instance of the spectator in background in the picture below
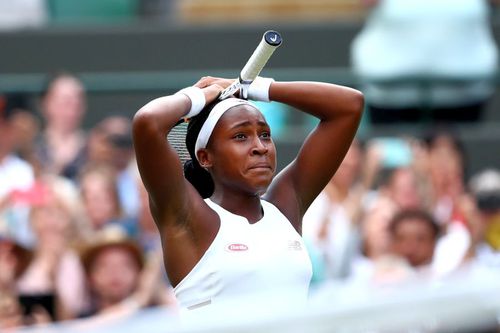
(99, 193)
(14, 259)
(384, 156)
(25, 126)
(402, 188)
(15, 173)
(148, 234)
(115, 137)
(451, 205)
(121, 281)
(447, 168)
(375, 263)
(26, 129)
(61, 145)
(331, 221)
(426, 39)
(485, 187)
(414, 234)
(54, 263)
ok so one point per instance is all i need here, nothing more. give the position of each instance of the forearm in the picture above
(163, 112)
(339, 110)
(322, 100)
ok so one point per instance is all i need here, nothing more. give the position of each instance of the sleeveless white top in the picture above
(248, 259)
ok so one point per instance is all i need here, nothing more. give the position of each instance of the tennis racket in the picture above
(270, 41)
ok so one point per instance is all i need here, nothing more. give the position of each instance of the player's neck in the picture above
(248, 206)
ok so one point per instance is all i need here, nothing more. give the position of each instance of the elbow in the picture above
(143, 121)
(357, 103)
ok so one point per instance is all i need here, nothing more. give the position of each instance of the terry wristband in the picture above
(259, 89)
(197, 98)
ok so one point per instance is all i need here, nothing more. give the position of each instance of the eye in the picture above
(265, 135)
(240, 136)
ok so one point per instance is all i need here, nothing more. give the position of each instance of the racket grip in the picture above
(271, 40)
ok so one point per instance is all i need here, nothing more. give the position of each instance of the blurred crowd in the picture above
(403, 208)
(77, 239)
(76, 235)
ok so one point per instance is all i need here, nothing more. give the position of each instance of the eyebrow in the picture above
(248, 123)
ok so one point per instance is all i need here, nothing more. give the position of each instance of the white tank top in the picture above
(248, 259)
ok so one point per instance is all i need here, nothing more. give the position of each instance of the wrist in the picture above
(259, 89)
(197, 98)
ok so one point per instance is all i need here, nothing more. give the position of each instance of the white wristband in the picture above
(197, 98)
(259, 89)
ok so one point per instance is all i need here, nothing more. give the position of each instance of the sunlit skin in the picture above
(241, 158)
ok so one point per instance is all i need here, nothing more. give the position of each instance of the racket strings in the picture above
(177, 139)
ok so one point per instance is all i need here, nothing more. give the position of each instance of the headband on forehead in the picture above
(214, 116)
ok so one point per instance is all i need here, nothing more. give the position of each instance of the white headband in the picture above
(213, 118)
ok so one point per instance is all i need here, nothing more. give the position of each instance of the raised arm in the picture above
(160, 168)
(186, 224)
(339, 110)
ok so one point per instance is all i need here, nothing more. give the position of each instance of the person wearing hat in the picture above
(120, 279)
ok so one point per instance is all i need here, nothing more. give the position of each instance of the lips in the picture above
(262, 165)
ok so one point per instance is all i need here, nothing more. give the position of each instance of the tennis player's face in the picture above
(243, 155)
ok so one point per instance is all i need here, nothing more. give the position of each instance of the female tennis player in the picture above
(233, 227)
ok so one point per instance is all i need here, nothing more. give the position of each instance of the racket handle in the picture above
(269, 43)
(271, 40)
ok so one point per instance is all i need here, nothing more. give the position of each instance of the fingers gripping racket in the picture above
(269, 43)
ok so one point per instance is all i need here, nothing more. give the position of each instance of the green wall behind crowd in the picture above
(174, 56)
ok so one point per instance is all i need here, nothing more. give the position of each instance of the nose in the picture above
(259, 147)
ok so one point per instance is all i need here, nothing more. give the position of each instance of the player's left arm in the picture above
(339, 110)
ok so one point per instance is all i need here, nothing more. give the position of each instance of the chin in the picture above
(262, 188)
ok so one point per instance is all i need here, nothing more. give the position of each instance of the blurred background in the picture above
(415, 202)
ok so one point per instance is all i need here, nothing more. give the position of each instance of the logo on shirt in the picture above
(294, 245)
(237, 247)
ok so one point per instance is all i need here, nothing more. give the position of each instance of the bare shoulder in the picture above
(282, 194)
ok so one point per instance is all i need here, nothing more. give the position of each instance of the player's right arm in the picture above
(186, 224)
(171, 196)
(158, 163)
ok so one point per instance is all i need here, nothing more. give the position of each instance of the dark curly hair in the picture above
(193, 172)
